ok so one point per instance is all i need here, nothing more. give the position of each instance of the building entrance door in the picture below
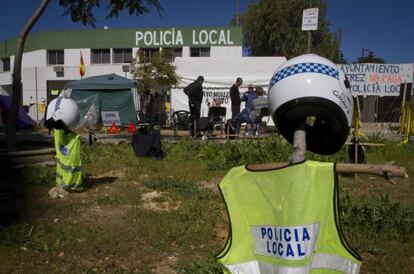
(54, 87)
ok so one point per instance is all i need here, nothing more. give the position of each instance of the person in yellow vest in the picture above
(62, 115)
(285, 221)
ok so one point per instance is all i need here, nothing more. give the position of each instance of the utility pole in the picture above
(363, 50)
(309, 33)
(237, 12)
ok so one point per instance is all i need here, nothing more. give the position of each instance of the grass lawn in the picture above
(167, 216)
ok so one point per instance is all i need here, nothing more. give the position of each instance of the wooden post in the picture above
(355, 134)
(356, 155)
(299, 144)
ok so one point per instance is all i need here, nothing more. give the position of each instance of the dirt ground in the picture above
(115, 225)
(96, 231)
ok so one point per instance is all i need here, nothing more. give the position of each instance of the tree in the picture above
(273, 28)
(80, 11)
(155, 71)
(370, 58)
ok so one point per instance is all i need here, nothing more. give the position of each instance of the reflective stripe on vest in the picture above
(318, 261)
(285, 221)
(68, 168)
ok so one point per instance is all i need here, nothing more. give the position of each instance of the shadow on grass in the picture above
(12, 193)
(91, 182)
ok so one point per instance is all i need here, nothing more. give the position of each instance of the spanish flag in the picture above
(82, 68)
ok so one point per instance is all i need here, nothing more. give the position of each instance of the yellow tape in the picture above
(407, 122)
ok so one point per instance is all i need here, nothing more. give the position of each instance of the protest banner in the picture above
(377, 79)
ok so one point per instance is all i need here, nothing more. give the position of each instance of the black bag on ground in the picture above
(351, 154)
(202, 124)
(147, 143)
(229, 127)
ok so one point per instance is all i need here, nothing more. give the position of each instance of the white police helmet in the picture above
(311, 88)
(62, 113)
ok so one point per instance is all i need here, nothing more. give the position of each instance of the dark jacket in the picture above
(235, 96)
(195, 93)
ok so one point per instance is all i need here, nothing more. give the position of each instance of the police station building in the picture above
(52, 59)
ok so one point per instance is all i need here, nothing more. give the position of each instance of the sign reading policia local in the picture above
(128, 38)
(187, 37)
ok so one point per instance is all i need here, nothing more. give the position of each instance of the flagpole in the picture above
(82, 68)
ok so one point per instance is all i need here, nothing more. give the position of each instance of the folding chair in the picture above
(181, 120)
(217, 116)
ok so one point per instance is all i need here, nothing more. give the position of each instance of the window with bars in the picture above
(55, 57)
(101, 56)
(199, 52)
(6, 64)
(122, 55)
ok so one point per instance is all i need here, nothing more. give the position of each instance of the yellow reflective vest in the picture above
(285, 221)
(68, 160)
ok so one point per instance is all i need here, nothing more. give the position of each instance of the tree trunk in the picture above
(17, 87)
(386, 170)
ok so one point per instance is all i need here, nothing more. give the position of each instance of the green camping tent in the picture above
(105, 93)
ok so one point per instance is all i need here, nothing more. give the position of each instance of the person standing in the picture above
(235, 97)
(194, 92)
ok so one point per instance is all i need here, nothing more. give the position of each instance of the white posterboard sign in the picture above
(109, 117)
(310, 19)
(377, 79)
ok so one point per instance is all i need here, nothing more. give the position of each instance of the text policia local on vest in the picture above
(288, 243)
(175, 37)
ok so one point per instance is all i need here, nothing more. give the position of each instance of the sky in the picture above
(385, 27)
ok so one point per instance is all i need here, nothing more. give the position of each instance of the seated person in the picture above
(215, 103)
(248, 97)
(254, 114)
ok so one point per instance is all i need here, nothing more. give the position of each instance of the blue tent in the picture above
(23, 122)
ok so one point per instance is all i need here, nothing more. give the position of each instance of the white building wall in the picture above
(225, 52)
(186, 51)
(5, 79)
(72, 57)
(34, 59)
(36, 72)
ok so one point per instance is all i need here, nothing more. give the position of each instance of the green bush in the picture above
(377, 214)
(223, 156)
